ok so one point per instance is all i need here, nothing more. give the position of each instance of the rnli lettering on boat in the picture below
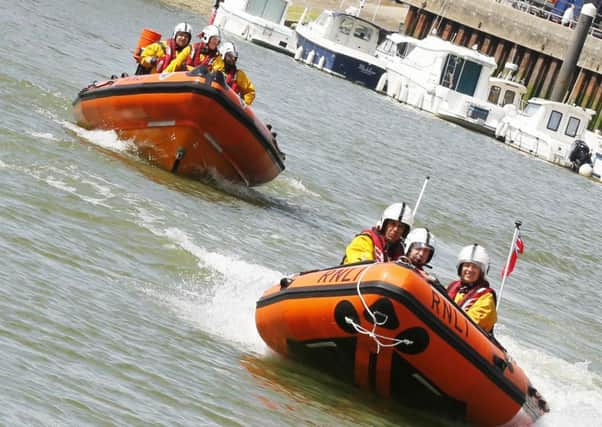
(341, 275)
(443, 308)
(366, 69)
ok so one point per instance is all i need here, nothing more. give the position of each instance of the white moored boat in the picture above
(343, 45)
(259, 21)
(552, 131)
(445, 79)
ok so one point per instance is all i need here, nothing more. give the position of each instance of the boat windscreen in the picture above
(270, 10)
(531, 109)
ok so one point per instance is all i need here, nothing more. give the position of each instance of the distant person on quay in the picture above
(236, 78)
(568, 15)
(472, 292)
(206, 51)
(167, 55)
(384, 242)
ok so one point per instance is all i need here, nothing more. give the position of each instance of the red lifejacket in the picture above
(170, 53)
(194, 59)
(474, 293)
(382, 251)
(231, 80)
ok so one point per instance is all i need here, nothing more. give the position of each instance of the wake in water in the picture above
(282, 187)
(221, 300)
(572, 390)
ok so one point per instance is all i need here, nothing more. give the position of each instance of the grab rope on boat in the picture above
(380, 340)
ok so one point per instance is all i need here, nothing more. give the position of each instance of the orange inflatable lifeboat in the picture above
(189, 123)
(382, 327)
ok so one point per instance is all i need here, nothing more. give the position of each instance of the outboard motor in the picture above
(579, 154)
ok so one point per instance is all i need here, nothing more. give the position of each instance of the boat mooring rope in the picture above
(380, 340)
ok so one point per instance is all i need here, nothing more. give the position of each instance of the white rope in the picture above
(378, 339)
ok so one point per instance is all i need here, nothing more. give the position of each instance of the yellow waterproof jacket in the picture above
(244, 87)
(215, 64)
(481, 308)
(158, 51)
(361, 248)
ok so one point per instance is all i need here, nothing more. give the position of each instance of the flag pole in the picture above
(426, 180)
(517, 225)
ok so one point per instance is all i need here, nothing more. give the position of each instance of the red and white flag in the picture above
(518, 248)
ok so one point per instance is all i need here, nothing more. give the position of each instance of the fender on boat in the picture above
(382, 82)
(299, 53)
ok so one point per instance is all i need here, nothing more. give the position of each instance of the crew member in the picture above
(472, 292)
(235, 77)
(384, 242)
(167, 55)
(205, 52)
(420, 248)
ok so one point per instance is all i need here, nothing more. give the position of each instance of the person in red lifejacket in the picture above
(167, 55)
(236, 78)
(385, 241)
(472, 292)
(205, 52)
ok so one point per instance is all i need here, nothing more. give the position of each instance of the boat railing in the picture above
(544, 10)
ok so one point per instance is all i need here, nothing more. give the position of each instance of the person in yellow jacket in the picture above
(206, 53)
(168, 55)
(236, 78)
(385, 241)
(472, 292)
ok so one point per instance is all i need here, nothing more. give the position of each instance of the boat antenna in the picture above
(439, 19)
(375, 11)
(426, 180)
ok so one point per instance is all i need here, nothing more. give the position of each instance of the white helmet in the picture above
(476, 254)
(183, 27)
(228, 48)
(420, 238)
(210, 31)
(399, 212)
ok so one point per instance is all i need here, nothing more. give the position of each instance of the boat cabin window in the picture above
(345, 26)
(509, 97)
(572, 127)
(460, 75)
(270, 10)
(362, 32)
(386, 47)
(531, 109)
(554, 120)
(494, 94)
(322, 19)
(402, 50)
